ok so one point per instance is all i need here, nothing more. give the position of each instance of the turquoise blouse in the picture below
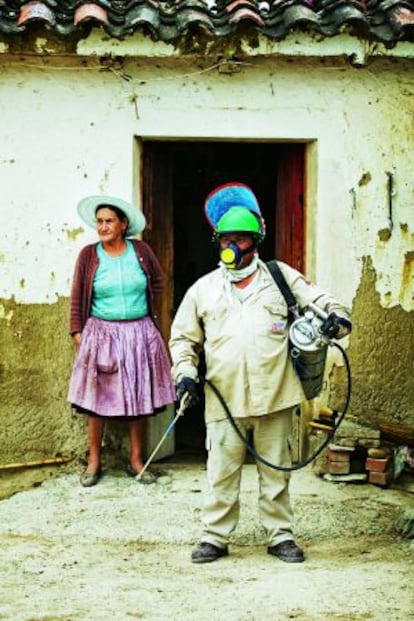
(119, 286)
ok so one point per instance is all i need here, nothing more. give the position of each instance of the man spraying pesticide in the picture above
(239, 316)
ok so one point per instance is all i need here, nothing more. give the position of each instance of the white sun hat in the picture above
(87, 209)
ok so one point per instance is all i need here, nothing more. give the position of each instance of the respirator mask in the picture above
(231, 255)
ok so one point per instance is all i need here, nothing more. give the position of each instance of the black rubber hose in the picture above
(320, 448)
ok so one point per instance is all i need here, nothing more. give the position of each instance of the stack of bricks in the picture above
(346, 463)
(356, 455)
(339, 459)
(380, 467)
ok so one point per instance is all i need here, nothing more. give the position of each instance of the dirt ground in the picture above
(121, 551)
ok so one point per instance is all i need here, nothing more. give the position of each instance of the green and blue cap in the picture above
(232, 208)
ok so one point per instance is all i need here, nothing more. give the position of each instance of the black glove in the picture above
(335, 327)
(189, 386)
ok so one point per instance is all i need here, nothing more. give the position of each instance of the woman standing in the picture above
(121, 369)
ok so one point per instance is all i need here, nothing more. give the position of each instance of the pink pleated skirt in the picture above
(121, 369)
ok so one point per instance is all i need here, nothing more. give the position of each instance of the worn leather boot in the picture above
(287, 551)
(207, 552)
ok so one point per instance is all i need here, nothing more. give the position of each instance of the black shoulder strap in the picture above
(280, 280)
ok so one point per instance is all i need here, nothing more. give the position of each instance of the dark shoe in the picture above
(146, 478)
(207, 552)
(88, 479)
(131, 471)
(287, 551)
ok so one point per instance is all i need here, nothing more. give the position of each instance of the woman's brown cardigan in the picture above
(85, 269)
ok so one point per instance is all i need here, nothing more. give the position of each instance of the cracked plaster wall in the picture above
(381, 354)
(68, 130)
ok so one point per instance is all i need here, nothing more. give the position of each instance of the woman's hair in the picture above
(119, 213)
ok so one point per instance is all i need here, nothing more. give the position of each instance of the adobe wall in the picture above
(72, 127)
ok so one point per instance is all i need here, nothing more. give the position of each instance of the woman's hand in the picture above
(77, 339)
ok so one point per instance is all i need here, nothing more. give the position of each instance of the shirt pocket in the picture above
(273, 320)
(215, 325)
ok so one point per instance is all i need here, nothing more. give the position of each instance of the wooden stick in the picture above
(320, 427)
(40, 462)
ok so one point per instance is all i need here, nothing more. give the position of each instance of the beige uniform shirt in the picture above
(245, 342)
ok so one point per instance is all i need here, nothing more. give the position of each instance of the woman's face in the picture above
(109, 226)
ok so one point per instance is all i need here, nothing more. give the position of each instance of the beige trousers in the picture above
(271, 439)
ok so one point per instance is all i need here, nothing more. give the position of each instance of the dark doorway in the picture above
(177, 178)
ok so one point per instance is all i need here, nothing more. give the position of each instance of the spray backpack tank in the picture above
(307, 344)
(308, 349)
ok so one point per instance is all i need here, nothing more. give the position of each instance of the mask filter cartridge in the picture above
(231, 256)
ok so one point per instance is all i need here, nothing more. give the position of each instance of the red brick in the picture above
(380, 478)
(339, 467)
(342, 456)
(377, 465)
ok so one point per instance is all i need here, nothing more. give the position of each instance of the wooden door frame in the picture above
(158, 211)
(290, 193)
